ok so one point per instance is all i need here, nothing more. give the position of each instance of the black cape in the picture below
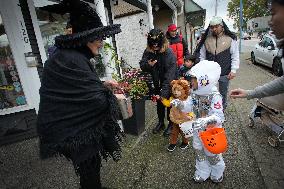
(77, 115)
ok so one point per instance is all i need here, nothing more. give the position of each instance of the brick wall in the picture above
(132, 41)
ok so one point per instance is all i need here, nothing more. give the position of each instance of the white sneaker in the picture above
(198, 179)
(215, 180)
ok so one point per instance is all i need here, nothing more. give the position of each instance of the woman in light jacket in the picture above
(276, 86)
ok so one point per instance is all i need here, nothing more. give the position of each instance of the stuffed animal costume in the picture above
(207, 106)
(180, 91)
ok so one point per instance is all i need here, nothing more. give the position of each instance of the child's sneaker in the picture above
(215, 180)
(171, 147)
(198, 179)
(183, 146)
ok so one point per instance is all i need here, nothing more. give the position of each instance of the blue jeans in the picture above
(223, 89)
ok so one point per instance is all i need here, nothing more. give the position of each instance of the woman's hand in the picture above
(231, 75)
(111, 84)
(238, 93)
(152, 62)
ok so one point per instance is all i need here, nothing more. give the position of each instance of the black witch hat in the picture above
(85, 22)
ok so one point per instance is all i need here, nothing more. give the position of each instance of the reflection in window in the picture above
(51, 25)
(11, 91)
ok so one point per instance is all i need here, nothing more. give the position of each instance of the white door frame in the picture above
(19, 42)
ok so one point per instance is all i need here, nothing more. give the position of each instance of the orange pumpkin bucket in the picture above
(214, 140)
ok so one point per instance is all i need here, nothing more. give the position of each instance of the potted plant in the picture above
(132, 82)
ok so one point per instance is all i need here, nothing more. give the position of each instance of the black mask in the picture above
(155, 38)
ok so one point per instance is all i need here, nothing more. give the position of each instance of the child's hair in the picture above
(184, 68)
(192, 58)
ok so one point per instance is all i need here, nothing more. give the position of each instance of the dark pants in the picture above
(223, 89)
(161, 111)
(90, 174)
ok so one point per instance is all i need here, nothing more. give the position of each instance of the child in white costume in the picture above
(207, 106)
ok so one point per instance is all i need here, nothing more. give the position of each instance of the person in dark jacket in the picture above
(178, 45)
(187, 66)
(78, 113)
(159, 60)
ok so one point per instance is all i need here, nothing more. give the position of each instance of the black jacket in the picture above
(183, 70)
(163, 72)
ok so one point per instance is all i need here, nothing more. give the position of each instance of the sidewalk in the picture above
(269, 160)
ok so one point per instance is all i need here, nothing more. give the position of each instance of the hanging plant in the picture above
(99, 65)
(108, 49)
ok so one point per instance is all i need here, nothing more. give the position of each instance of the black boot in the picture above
(168, 130)
(160, 126)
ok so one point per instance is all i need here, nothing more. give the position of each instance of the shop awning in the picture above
(141, 4)
(196, 18)
(174, 4)
(122, 8)
(194, 13)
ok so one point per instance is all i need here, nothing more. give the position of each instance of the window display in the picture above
(51, 25)
(11, 91)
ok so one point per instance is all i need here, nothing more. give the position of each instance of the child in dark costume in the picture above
(187, 65)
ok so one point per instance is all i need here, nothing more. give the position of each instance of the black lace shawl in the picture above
(77, 115)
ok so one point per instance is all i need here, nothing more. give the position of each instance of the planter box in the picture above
(135, 125)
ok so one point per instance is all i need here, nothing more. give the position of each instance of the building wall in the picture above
(262, 23)
(191, 40)
(180, 23)
(162, 19)
(132, 41)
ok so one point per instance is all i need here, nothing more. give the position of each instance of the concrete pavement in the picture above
(248, 45)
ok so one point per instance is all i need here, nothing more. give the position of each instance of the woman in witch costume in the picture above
(78, 114)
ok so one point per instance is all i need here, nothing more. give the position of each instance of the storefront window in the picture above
(51, 25)
(11, 91)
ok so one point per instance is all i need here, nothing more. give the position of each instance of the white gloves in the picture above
(202, 123)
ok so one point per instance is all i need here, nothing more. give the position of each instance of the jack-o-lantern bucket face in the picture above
(214, 140)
